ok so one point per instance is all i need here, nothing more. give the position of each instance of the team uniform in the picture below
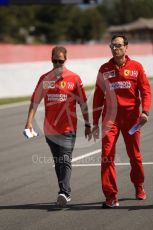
(118, 94)
(61, 93)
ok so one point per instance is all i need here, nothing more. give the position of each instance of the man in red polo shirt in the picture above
(121, 87)
(61, 89)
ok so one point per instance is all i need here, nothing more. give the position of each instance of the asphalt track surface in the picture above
(28, 185)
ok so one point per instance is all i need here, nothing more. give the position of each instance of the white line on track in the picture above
(86, 155)
(117, 164)
(95, 152)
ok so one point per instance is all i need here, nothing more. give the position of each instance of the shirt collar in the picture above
(126, 60)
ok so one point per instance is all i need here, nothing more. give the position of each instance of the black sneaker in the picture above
(62, 200)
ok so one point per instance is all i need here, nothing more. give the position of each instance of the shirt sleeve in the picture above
(38, 92)
(80, 92)
(145, 89)
(98, 98)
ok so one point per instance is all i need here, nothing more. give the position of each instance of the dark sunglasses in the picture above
(55, 61)
(112, 46)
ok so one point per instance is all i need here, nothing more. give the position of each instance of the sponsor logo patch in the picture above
(120, 85)
(134, 73)
(48, 84)
(57, 97)
(70, 85)
(109, 74)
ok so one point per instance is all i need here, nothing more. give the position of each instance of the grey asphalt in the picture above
(28, 185)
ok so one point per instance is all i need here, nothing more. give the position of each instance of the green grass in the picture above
(10, 100)
(89, 87)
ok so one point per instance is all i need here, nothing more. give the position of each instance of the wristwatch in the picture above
(146, 113)
(87, 125)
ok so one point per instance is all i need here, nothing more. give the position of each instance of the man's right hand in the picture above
(95, 132)
(143, 118)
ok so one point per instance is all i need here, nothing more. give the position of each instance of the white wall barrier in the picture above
(19, 79)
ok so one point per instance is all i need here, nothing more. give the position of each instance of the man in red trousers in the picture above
(121, 87)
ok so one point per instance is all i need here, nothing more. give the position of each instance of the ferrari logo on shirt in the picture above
(126, 72)
(62, 84)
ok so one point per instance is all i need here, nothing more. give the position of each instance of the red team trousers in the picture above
(124, 120)
(120, 91)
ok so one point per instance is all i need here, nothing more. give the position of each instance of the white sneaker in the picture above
(112, 203)
(62, 200)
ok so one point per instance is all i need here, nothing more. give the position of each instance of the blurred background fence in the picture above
(22, 65)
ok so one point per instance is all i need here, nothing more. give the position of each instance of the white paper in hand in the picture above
(30, 134)
(134, 128)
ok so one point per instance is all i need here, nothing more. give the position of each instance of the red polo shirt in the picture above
(60, 93)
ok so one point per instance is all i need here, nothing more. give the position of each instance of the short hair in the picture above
(59, 49)
(122, 36)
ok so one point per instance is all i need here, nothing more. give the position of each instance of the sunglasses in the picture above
(55, 61)
(114, 46)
